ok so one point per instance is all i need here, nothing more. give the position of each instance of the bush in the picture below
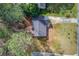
(30, 9)
(74, 10)
(4, 32)
(1, 51)
(57, 7)
(11, 12)
(20, 44)
(1, 47)
(67, 9)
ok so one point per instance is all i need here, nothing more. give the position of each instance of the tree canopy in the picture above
(30, 9)
(11, 12)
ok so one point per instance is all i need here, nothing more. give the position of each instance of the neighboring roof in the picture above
(42, 5)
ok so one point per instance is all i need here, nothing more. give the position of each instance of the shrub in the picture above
(1, 51)
(67, 9)
(1, 47)
(57, 7)
(4, 32)
(74, 10)
(20, 44)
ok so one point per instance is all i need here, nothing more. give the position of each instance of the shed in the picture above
(40, 26)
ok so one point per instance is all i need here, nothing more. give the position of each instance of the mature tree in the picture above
(30, 9)
(11, 12)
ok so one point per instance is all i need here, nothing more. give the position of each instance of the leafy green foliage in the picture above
(20, 44)
(3, 33)
(30, 9)
(11, 12)
(74, 10)
(58, 9)
(1, 51)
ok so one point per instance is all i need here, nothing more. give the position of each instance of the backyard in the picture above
(25, 29)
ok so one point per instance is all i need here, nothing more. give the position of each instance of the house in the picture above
(40, 26)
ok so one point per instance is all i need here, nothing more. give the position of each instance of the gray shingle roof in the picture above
(40, 26)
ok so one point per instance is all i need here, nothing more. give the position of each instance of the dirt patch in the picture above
(63, 38)
(40, 45)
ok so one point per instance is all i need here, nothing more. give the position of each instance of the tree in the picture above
(30, 9)
(11, 12)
